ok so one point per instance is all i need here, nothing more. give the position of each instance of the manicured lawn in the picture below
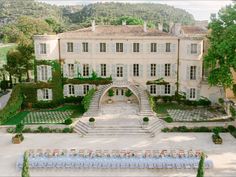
(43, 116)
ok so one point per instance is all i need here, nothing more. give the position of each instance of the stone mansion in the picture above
(128, 53)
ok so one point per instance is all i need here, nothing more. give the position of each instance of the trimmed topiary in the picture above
(68, 121)
(201, 166)
(145, 119)
(91, 119)
(168, 119)
(25, 168)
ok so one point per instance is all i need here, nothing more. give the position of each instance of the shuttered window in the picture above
(153, 47)
(103, 70)
(167, 47)
(71, 70)
(167, 89)
(45, 94)
(102, 47)
(192, 94)
(153, 89)
(153, 70)
(119, 47)
(44, 73)
(85, 46)
(193, 72)
(135, 47)
(71, 90)
(85, 69)
(86, 89)
(167, 69)
(70, 47)
(136, 70)
(43, 48)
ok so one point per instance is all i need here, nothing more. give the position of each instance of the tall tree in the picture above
(201, 166)
(56, 26)
(25, 168)
(221, 57)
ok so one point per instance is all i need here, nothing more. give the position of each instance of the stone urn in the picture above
(109, 101)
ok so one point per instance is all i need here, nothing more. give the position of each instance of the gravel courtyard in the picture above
(223, 156)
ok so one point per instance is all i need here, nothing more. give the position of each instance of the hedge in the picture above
(13, 104)
(87, 99)
(97, 81)
(194, 129)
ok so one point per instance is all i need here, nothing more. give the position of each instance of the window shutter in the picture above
(80, 70)
(140, 70)
(187, 93)
(113, 47)
(174, 69)
(148, 70)
(162, 89)
(173, 48)
(126, 48)
(78, 48)
(49, 71)
(80, 90)
(76, 90)
(65, 90)
(188, 72)
(50, 94)
(90, 47)
(173, 87)
(198, 93)
(98, 69)
(199, 49)
(108, 67)
(90, 70)
(113, 70)
(39, 95)
(140, 47)
(125, 71)
(158, 89)
(48, 49)
(65, 70)
(159, 71)
(39, 73)
(64, 49)
(37, 49)
(162, 74)
(161, 48)
(97, 48)
(189, 49)
(131, 70)
(76, 70)
(149, 88)
(148, 48)
(198, 73)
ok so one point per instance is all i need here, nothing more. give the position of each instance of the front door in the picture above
(119, 93)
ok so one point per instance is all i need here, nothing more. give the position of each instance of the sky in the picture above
(201, 9)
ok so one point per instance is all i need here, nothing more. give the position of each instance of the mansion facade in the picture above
(130, 53)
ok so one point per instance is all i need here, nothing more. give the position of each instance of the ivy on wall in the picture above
(87, 99)
(160, 81)
(92, 81)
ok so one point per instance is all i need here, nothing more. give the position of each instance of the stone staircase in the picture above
(145, 109)
(85, 129)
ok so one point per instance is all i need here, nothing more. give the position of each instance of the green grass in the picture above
(163, 107)
(77, 112)
(3, 53)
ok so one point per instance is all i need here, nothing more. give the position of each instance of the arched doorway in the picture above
(119, 101)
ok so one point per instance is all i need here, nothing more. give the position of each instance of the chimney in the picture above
(160, 26)
(145, 26)
(176, 29)
(171, 24)
(93, 25)
(124, 22)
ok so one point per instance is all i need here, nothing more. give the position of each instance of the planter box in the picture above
(109, 101)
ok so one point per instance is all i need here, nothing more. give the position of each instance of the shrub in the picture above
(153, 103)
(234, 89)
(91, 119)
(168, 119)
(183, 129)
(167, 98)
(4, 85)
(74, 100)
(19, 128)
(87, 99)
(231, 128)
(68, 121)
(216, 131)
(232, 111)
(204, 102)
(233, 133)
(110, 92)
(10, 130)
(201, 166)
(165, 129)
(145, 119)
(201, 129)
(128, 93)
(26, 130)
(67, 130)
(221, 100)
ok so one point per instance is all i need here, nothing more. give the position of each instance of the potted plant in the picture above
(216, 136)
(128, 94)
(18, 138)
(91, 121)
(145, 120)
(110, 94)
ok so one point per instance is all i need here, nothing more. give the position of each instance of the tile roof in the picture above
(111, 30)
(193, 30)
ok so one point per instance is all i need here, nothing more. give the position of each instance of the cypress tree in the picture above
(201, 166)
(25, 169)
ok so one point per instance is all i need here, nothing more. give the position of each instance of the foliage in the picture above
(55, 25)
(74, 100)
(87, 99)
(221, 59)
(234, 89)
(130, 20)
(3, 52)
(68, 121)
(201, 166)
(13, 104)
(168, 119)
(159, 81)
(128, 93)
(19, 128)
(153, 103)
(232, 111)
(221, 101)
(231, 128)
(4, 85)
(114, 13)
(25, 168)
(91, 119)
(194, 129)
(216, 131)
(110, 92)
(97, 81)
(145, 119)
(41, 129)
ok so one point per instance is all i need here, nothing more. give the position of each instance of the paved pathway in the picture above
(223, 156)
(4, 99)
